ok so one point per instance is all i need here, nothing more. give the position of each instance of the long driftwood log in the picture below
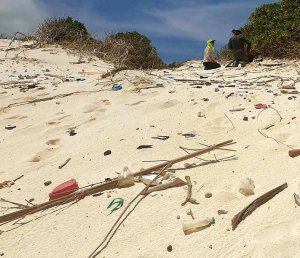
(255, 204)
(75, 196)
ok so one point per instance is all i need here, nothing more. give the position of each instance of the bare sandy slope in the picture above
(122, 120)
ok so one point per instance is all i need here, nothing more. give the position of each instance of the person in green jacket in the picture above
(236, 43)
(209, 62)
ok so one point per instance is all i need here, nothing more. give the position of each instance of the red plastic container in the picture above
(64, 189)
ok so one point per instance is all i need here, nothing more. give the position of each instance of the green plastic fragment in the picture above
(118, 201)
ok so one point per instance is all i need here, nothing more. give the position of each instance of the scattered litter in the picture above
(237, 109)
(245, 118)
(196, 225)
(255, 204)
(205, 99)
(10, 127)
(108, 152)
(261, 106)
(117, 87)
(247, 187)
(126, 179)
(6, 184)
(159, 137)
(144, 147)
(146, 179)
(190, 134)
(217, 90)
(297, 199)
(118, 201)
(71, 132)
(64, 189)
(172, 89)
(153, 194)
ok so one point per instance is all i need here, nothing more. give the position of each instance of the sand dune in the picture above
(122, 120)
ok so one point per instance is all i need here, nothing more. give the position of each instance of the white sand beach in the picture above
(122, 120)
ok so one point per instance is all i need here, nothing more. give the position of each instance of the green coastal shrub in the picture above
(141, 54)
(274, 29)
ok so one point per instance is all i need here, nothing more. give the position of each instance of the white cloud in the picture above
(21, 15)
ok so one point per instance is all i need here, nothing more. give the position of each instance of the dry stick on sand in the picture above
(76, 196)
(65, 163)
(255, 204)
(189, 193)
(94, 254)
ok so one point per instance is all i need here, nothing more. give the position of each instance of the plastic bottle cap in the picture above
(173, 171)
(213, 220)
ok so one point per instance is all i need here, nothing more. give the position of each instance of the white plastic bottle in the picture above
(126, 179)
(172, 88)
(196, 225)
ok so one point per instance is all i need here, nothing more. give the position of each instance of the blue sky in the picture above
(178, 29)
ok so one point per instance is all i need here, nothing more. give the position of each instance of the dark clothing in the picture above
(237, 42)
(211, 65)
(240, 55)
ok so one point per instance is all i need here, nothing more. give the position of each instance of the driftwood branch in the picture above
(255, 204)
(189, 193)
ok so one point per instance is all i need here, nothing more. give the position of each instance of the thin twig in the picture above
(233, 127)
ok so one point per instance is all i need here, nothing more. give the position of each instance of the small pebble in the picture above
(178, 217)
(108, 152)
(108, 195)
(169, 248)
(208, 195)
(220, 212)
(47, 183)
(210, 246)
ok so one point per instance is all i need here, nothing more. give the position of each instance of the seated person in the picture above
(209, 62)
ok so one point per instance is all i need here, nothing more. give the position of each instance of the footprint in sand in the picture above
(44, 155)
(53, 123)
(64, 117)
(90, 120)
(169, 104)
(136, 103)
(92, 108)
(53, 142)
(281, 240)
(218, 123)
(16, 117)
